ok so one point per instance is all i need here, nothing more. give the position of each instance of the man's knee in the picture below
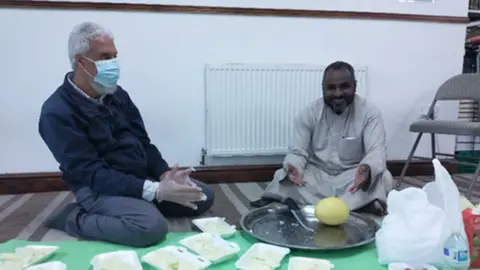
(204, 206)
(388, 181)
(148, 229)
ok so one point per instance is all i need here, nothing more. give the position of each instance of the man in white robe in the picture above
(338, 148)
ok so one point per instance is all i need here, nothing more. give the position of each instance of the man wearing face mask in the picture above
(338, 148)
(123, 186)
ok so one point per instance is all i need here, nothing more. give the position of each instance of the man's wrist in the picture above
(162, 175)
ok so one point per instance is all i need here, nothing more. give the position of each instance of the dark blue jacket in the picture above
(104, 147)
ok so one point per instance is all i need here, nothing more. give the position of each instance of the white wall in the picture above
(163, 56)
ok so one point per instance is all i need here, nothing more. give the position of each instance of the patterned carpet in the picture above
(22, 216)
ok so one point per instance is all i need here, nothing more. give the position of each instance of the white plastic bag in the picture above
(420, 220)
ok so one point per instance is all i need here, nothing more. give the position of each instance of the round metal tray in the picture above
(276, 225)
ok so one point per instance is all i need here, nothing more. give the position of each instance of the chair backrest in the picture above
(463, 86)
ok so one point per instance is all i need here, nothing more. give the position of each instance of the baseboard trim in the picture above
(16, 183)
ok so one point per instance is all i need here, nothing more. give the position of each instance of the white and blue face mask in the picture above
(108, 73)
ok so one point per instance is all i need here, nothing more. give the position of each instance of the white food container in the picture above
(24, 257)
(49, 266)
(262, 256)
(161, 258)
(303, 263)
(215, 225)
(211, 247)
(117, 260)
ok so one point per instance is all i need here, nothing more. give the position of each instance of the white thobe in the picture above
(328, 148)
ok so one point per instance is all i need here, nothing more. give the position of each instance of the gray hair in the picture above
(81, 36)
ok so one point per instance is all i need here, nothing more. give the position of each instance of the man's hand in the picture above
(295, 176)
(181, 177)
(171, 191)
(362, 179)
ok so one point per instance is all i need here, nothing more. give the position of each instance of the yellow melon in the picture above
(332, 211)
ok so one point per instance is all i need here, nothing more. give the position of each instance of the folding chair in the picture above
(459, 87)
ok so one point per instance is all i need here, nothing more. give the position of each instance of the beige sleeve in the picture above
(300, 140)
(374, 140)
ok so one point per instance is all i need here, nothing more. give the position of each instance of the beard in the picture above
(338, 105)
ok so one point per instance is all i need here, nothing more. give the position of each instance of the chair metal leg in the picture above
(434, 146)
(474, 180)
(407, 163)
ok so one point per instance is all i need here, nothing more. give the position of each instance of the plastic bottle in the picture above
(455, 252)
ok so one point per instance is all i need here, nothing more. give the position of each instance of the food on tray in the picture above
(11, 262)
(112, 263)
(217, 226)
(332, 211)
(262, 257)
(168, 260)
(311, 266)
(260, 267)
(25, 256)
(55, 265)
(265, 258)
(11, 265)
(300, 263)
(117, 260)
(208, 246)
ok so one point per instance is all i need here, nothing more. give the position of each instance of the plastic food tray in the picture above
(258, 255)
(207, 225)
(154, 259)
(302, 263)
(227, 249)
(24, 257)
(127, 258)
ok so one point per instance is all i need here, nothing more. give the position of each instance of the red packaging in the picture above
(471, 221)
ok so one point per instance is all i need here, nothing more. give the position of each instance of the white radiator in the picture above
(250, 108)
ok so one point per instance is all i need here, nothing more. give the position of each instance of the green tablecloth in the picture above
(77, 254)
